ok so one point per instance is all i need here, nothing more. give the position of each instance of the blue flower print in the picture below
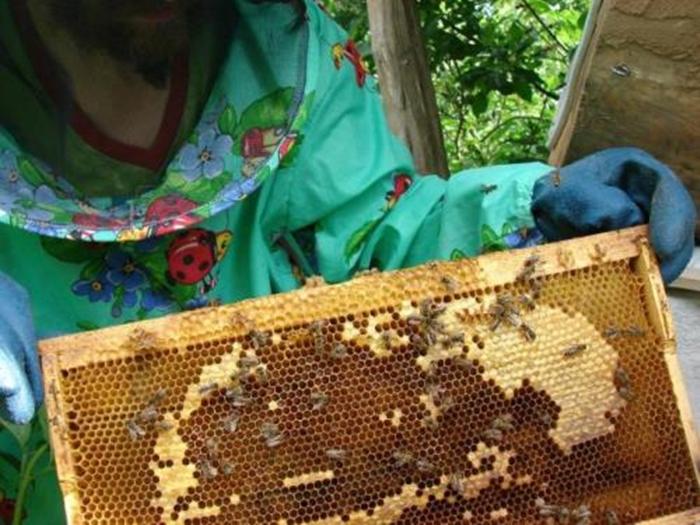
(97, 289)
(197, 302)
(151, 300)
(524, 239)
(123, 271)
(207, 157)
(234, 192)
(9, 172)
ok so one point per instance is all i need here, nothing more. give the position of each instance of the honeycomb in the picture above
(527, 387)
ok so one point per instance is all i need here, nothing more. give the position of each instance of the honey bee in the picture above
(456, 482)
(148, 414)
(558, 512)
(210, 388)
(503, 423)
(260, 339)
(527, 301)
(237, 397)
(612, 333)
(209, 471)
(622, 377)
(159, 396)
(318, 400)
(599, 254)
(529, 268)
(135, 430)
(626, 393)
(425, 466)
(248, 362)
(492, 434)
(450, 283)
(271, 434)
(164, 426)
(634, 331)
(212, 447)
(230, 424)
(465, 364)
(430, 423)
(582, 515)
(386, 340)
(339, 351)
(574, 350)
(528, 332)
(611, 518)
(402, 458)
(556, 178)
(336, 454)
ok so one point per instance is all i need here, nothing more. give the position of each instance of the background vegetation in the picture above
(497, 67)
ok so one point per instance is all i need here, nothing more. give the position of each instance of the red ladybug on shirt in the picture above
(402, 182)
(193, 254)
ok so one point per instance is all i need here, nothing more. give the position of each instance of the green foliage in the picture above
(497, 67)
(19, 471)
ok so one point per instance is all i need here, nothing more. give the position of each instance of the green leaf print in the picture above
(30, 173)
(183, 293)
(228, 121)
(87, 326)
(358, 238)
(71, 251)
(457, 255)
(490, 240)
(92, 269)
(293, 154)
(204, 190)
(267, 112)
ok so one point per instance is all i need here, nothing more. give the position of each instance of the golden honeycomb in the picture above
(537, 386)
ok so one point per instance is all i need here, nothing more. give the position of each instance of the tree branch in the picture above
(544, 25)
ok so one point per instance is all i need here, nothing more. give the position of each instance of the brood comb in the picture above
(537, 386)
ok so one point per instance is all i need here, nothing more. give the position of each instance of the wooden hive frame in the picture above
(489, 272)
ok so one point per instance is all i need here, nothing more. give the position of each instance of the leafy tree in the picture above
(497, 67)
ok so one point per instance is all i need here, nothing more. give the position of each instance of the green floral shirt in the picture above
(290, 170)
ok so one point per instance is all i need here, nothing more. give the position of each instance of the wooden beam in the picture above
(407, 88)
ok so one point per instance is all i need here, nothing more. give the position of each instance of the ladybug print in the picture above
(402, 183)
(193, 254)
(350, 52)
(169, 213)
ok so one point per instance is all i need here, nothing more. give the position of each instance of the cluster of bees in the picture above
(578, 516)
(507, 309)
(148, 417)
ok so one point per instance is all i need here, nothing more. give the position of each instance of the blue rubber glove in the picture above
(618, 188)
(20, 375)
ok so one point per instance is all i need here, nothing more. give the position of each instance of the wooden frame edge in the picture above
(65, 469)
(489, 270)
(563, 132)
(682, 518)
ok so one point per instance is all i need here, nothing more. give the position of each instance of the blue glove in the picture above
(20, 375)
(618, 188)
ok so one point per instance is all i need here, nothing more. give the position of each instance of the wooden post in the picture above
(404, 75)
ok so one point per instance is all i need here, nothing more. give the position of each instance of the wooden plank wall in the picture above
(641, 88)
